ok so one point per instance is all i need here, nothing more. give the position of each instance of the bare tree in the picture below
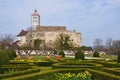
(116, 46)
(109, 43)
(6, 41)
(98, 45)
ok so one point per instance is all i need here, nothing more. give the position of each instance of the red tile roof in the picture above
(35, 13)
(22, 33)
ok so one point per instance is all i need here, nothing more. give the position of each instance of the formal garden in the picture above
(58, 66)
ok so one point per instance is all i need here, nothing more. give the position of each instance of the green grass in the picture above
(112, 57)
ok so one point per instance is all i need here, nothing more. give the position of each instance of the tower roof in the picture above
(35, 13)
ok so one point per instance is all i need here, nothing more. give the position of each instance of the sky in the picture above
(92, 18)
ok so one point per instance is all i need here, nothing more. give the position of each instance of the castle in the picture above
(47, 34)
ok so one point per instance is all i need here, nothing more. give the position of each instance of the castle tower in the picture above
(35, 20)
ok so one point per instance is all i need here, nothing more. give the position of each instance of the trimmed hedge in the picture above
(100, 75)
(46, 75)
(112, 71)
(77, 65)
(43, 63)
(109, 64)
(24, 72)
(33, 76)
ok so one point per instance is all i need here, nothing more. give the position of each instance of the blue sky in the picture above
(92, 18)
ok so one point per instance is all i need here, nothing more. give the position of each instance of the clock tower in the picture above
(35, 20)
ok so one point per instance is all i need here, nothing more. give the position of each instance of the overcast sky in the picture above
(92, 18)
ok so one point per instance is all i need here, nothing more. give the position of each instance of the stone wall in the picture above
(49, 37)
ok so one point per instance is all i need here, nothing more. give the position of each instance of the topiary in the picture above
(79, 55)
(118, 56)
(61, 53)
(96, 54)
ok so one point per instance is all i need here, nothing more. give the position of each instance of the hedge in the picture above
(112, 71)
(31, 76)
(100, 75)
(103, 75)
(109, 64)
(16, 67)
(24, 72)
(43, 63)
(76, 65)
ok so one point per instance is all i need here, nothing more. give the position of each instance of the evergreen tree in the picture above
(79, 55)
(37, 43)
(118, 56)
(96, 54)
(62, 53)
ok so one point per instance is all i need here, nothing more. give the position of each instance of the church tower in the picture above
(35, 20)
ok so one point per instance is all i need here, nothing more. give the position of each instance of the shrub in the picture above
(79, 55)
(20, 73)
(62, 53)
(96, 54)
(11, 54)
(4, 59)
(119, 56)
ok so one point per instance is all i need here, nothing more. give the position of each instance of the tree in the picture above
(85, 48)
(11, 54)
(116, 46)
(79, 55)
(62, 53)
(37, 43)
(6, 41)
(118, 56)
(96, 54)
(4, 59)
(109, 43)
(98, 44)
(63, 41)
